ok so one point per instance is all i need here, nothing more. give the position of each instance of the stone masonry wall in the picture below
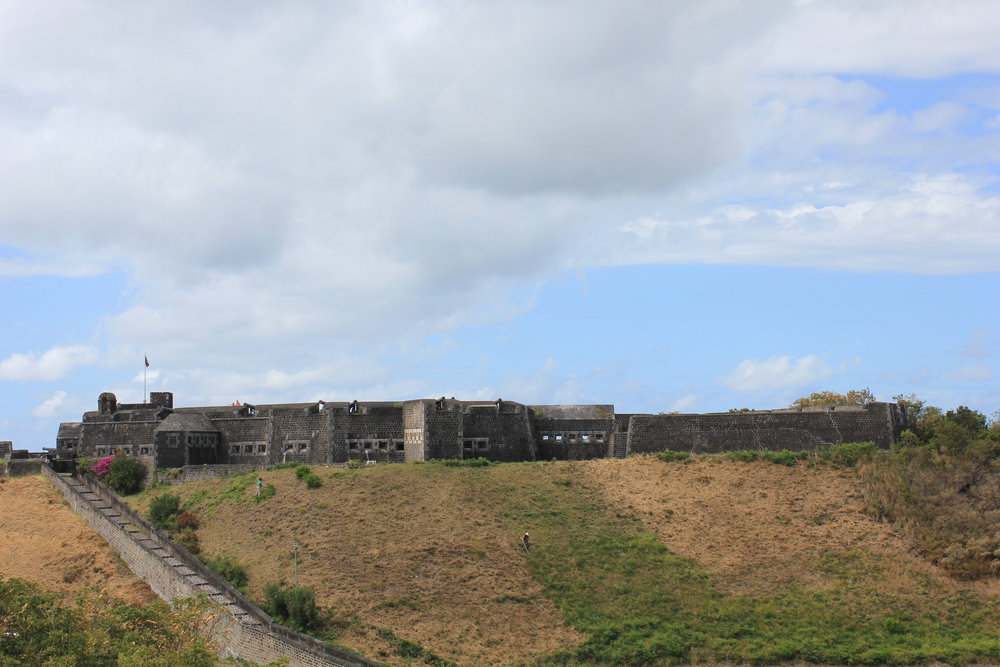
(574, 439)
(242, 629)
(503, 436)
(794, 430)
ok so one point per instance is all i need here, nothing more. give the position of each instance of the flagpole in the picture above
(145, 365)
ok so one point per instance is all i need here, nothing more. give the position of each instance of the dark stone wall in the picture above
(580, 438)
(507, 434)
(241, 433)
(794, 430)
(103, 438)
(377, 429)
(299, 435)
(443, 430)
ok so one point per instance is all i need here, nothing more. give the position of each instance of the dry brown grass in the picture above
(425, 560)
(756, 528)
(46, 542)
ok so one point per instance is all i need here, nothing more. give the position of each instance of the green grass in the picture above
(639, 604)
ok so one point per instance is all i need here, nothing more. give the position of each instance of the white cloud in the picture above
(51, 365)
(48, 407)
(940, 224)
(914, 38)
(776, 373)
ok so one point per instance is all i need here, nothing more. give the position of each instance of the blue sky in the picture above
(668, 207)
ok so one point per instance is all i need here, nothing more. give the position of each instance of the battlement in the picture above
(325, 432)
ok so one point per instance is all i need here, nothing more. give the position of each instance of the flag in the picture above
(146, 359)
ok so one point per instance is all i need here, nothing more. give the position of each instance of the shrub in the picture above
(783, 457)
(125, 475)
(187, 520)
(163, 508)
(851, 453)
(85, 464)
(293, 606)
(671, 455)
(102, 466)
(188, 539)
(227, 568)
(312, 481)
(301, 471)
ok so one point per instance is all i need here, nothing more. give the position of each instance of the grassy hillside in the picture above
(634, 562)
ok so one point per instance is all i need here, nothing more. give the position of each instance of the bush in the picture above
(188, 539)
(312, 481)
(293, 606)
(187, 520)
(163, 508)
(851, 453)
(671, 455)
(227, 568)
(125, 475)
(102, 466)
(783, 457)
(301, 471)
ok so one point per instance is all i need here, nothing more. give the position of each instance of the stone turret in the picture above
(107, 403)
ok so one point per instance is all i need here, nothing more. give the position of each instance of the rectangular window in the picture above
(303, 446)
(584, 436)
(353, 446)
(399, 445)
(600, 436)
(235, 449)
(248, 449)
(262, 449)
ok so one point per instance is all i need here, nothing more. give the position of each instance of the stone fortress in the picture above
(324, 433)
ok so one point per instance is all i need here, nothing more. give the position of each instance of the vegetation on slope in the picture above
(942, 484)
(422, 563)
(37, 629)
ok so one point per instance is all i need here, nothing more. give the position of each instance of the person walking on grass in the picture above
(526, 542)
(260, 483)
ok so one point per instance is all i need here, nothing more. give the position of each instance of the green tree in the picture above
(829, 398)
(126, 475)
(163, 508)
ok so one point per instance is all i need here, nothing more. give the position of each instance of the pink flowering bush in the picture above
(103, 467)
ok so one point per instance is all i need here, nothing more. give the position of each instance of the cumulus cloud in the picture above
(776, 373)
(48, 407)
(289, 185)
(50, 365)
(935, 224)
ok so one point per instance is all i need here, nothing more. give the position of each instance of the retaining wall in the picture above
(242, 630)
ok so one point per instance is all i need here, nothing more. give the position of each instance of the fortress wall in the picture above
(580, 438)
(508, 433)
(299, 436)
(375, 422)
(241, 432)
(128, 436)
(241, 630)
(794, 430)
(443, 431)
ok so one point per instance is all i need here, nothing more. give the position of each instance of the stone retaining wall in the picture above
(243, 630)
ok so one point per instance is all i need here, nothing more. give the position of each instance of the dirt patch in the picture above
(756, 528)
(46, 542)
(422, 558)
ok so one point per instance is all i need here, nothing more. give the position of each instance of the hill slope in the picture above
(46, 542)
(772, 563)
